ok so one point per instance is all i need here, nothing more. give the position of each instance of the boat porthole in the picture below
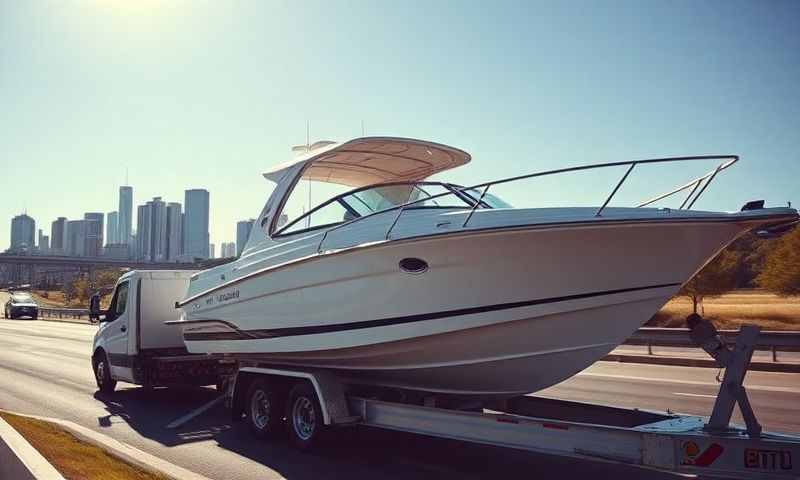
(413, 265)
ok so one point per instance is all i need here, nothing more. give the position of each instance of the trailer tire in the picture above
(102, 374)
(264, 412)
(304, 419)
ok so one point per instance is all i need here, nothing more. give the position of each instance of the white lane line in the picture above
(180, 421)
(766, 388)
(703, 395)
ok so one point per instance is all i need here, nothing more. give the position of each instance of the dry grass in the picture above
(74, 459)
(731, 310)
(56, 299)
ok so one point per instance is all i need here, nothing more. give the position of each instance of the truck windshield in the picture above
(22, 297)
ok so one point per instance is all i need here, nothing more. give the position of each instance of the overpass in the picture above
(32, 268)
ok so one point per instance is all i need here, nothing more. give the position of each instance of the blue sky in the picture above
(209, 94)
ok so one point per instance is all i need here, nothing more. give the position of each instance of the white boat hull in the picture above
(498, 312)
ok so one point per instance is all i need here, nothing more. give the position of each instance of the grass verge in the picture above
(734, 309)
(73, 458)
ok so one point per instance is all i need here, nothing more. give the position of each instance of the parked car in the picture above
(21, 304)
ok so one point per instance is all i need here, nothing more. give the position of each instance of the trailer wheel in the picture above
(263, 410)
(304, 417)
(102, 374)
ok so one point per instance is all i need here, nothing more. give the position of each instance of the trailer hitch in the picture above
(736, 361)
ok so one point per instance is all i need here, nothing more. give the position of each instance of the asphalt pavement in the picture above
(45, 370)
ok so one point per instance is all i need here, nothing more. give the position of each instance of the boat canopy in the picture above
(373, 160)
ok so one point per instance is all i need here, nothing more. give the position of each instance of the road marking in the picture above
(180, 421)
(765, 388)
(703, 395)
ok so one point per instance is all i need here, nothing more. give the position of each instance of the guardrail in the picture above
(679, 337)
(63, 312)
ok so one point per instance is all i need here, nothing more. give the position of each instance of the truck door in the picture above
(117, 326)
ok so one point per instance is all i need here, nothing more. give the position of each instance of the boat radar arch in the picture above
(371, 160)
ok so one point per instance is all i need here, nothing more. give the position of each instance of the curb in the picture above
(699, 362)
(122, 451)
(29, 458)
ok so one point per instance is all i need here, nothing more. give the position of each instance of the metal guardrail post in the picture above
(649, 348)
(774, 354)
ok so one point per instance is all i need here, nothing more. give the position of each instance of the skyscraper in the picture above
(44, 242)
(125, 219)
(112, 229)
(75, 238)
(57, 232)
(143, 232)
(195, 228)
(243, 229)
(158, 230)
(227, 250)
(212, 250)
(174, 231)
(23, 231)
(94, 234)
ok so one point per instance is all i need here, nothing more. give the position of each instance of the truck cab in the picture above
(135, 345)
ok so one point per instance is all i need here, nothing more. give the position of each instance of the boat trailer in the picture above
(652, 440)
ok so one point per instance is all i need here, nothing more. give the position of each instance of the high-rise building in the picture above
(143, 232)
(195, 227)
(94, 234)
(57, 232)
(174, 231)
(112, 229)
(212, 250)
(227, 250)
(125, 219)
(44, 243)
(75, 238)
(158, 230)
(243, 229)
(23, 233)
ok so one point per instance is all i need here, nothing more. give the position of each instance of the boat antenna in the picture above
(308, 149)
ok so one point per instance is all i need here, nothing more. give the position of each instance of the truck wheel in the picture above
(263, 410)
(304, 417)
(102, 375)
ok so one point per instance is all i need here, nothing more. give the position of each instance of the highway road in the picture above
(45, 370)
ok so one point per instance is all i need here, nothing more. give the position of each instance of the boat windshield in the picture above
(489, 200)
(365, 201)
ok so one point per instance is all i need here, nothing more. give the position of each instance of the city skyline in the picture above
(163, 227)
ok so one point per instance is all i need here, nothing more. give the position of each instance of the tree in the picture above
(716, 278)
(104, 280)
(781, 272)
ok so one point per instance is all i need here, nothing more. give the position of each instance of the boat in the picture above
(401, 281)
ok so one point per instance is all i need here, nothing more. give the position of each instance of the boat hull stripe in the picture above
(384, 322)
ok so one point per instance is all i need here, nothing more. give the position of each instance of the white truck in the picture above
(135, 345)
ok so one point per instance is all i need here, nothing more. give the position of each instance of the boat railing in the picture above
(696, 186)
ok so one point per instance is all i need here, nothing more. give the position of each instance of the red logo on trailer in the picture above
(693, 456)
